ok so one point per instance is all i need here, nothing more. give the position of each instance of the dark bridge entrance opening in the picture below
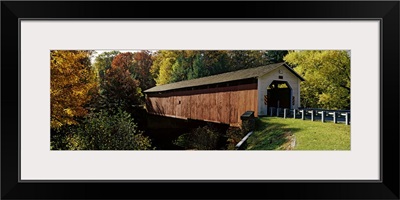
(278, 94)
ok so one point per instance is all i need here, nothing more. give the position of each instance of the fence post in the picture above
(334, 117)
(302, 114)
(312, 114)
(284, 113)
(346, 115)
(278, 110)
(270, 114)
(323, 116)
(294, 113)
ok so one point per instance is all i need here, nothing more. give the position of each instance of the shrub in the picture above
(64, 138)
(234, 136)
(201, 138)
(103, 131)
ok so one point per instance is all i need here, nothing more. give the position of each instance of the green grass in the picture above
(274, 133)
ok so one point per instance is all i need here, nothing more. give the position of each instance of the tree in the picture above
(213, 62)
(120, 88)
(124, 60)
(142, 62)
(174, 66)
(103, 62)
(199, 67)
(327, 74)
(162, 66)
(276, 56)
(243, 59)
(72, 81)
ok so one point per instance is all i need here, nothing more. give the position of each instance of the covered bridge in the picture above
(223, 98)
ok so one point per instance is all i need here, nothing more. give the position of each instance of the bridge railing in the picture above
(313, 114)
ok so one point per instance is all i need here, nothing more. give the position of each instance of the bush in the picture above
(201, 138)
(64, 138)
(234, 136)
(102, 131)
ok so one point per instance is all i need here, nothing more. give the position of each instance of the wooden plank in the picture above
(241, 95)
(197, 99)
(198, 106)
(171, 105)
(233, 106)
(163, 102)
(159, 106)
(218, 105)
(162, 107)
(225, 107)
(185, 109)
(168, 106)
(192, 107)
(177, 110)
(201, 106)
(213, 107)
(154, 104)
(149, 105)
(206, 104)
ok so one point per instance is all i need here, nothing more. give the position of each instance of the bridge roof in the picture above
(221, 78)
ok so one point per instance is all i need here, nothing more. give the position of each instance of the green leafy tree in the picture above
(162, 66)
(174, 66)
(275, 56)
(327, 74)
(199, 67)
(180, 69)
(243, 59)
(214, 62)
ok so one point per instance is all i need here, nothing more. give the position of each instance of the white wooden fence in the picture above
(313, 114)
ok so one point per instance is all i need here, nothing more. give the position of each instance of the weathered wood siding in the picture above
(222, 104)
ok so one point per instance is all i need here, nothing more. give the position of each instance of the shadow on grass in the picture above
(270, 136)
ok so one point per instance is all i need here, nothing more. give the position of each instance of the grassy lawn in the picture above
(274, 133)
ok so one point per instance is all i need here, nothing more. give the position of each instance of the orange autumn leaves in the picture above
(77, 85)
(120, 87)
(72, 81)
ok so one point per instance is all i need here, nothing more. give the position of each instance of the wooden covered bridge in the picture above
(223, 98)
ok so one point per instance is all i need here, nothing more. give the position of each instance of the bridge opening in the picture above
(279, 93)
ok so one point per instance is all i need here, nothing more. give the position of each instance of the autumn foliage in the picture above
(90, 104)
(142, 62)
(72, 81)
(120, 88)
